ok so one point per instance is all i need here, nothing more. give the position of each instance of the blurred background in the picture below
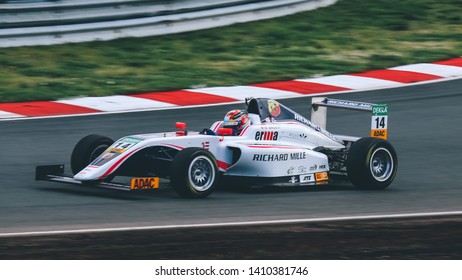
(51, 50)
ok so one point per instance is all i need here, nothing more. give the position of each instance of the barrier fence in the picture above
(57, 22)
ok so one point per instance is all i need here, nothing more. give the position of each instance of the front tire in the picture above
(87, 150)
(194, 173)
(372, 163)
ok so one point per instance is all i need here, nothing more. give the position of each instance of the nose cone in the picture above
(87, 174)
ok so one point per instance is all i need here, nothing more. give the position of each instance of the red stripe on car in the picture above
(222, 165)
(115, 165)
(217, 126)
(174, 146)
(274, 147)
(245, 129)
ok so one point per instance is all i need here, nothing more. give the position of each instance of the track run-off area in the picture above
(424, 127)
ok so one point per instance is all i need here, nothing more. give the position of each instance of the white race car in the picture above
(279, 147)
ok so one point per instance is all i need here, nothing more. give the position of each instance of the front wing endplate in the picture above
(55, 173)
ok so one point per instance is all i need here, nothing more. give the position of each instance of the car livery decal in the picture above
(124, 144)
(217, 125)
(274, 108)
(275, 147)
(280, 157)
(243, 131)
(266, 135)
(117, 164)
(118, 148)
(173, 146)
(222, 165)
(323, 132)
(305, 178)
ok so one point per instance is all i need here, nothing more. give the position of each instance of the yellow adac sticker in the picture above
(379, 133)
(144, 183)
(116, 150)
(322, 176)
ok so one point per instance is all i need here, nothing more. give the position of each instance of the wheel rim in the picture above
(201, 173)
(381, 164)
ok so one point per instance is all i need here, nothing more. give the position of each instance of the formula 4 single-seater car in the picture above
(279, 147)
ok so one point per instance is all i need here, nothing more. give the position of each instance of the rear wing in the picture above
(379, 120)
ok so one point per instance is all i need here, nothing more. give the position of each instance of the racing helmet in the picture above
(237, 120)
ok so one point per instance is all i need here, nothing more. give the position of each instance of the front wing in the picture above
(55, 173)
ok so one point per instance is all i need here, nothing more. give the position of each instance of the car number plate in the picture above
(144, 183)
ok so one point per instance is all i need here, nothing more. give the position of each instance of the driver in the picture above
(237, 120)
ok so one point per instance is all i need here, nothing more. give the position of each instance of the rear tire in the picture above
(87, 150)
(194, 173)
(372, 163)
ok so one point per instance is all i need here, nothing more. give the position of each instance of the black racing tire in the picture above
(87, 150)
(372, 163)
(194, 173)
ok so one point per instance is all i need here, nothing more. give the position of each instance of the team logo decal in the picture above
(206, 145)
(293, 180)
(266, 135)
(274, 108)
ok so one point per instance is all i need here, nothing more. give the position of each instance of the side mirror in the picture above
(182, 129)
(180, 125)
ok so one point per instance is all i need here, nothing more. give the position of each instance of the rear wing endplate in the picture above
(379, 120)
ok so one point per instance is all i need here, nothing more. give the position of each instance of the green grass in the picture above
(350, 36)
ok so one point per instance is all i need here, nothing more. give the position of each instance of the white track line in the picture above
(268, 222)
(242, 92)
(115, 103)
(432, 69)
(5, 115)
(352, 82)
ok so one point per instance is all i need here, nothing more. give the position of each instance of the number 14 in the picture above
(380, 122)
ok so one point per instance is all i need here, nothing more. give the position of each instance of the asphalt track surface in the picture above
(424, 127)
